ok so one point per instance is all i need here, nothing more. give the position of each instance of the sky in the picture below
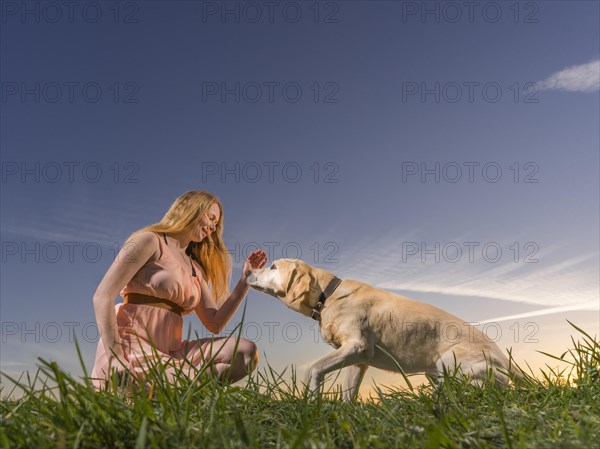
(446, 152)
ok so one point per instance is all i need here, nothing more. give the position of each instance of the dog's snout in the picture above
(251, 277)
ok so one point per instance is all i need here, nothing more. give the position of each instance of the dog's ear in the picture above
(298, 287)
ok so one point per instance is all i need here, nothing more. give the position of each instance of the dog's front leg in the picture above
(354, 377)
(348, 354)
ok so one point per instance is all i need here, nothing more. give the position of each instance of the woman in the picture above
(167, 268)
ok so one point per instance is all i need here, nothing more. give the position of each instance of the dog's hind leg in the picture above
(476, 366)
(354, 376)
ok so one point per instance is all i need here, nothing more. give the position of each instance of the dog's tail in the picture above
(504, 369)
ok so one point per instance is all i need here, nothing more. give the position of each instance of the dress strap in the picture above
(165, 237)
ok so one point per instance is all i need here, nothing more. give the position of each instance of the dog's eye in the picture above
(272, 267)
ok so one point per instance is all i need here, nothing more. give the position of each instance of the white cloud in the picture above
(561, 278)
(63, 234)
(576, 78)
(590, 305)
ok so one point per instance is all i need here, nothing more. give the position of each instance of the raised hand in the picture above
(256, 260)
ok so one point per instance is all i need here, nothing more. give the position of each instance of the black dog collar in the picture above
(316, 311)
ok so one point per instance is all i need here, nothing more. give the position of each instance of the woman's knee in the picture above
(241, 355)
(246, 355)
(253, 358)
(249, 350)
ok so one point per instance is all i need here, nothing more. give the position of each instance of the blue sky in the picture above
(136, 108)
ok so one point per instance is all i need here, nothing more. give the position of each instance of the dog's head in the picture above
(292, 281)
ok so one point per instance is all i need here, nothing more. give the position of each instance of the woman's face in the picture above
(207, 224)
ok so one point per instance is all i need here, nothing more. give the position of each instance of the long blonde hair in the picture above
(211, 253)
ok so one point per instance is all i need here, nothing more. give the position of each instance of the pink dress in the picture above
(139, 324)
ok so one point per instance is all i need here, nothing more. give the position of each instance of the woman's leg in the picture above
(230, 366)
(227, 362)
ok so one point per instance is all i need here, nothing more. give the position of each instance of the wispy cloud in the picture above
(590, 305)
(560, 278)
(575, 78)
(79, 219)
(64, 234)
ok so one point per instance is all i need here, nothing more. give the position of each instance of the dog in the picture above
(369, 326)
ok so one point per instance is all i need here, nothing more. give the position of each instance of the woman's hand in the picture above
(216, 318)
(117, 358)
(256, 260)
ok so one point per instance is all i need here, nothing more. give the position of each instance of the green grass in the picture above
(553, 409)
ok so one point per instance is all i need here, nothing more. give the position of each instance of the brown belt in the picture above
(139, 298)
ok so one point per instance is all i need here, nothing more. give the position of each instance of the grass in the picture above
(555, 409)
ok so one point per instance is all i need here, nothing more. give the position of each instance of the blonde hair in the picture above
(211, 253)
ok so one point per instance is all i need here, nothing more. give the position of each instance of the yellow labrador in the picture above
(373, 327)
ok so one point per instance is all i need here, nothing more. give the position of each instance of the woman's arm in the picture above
(215, 319)
(133, 255)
